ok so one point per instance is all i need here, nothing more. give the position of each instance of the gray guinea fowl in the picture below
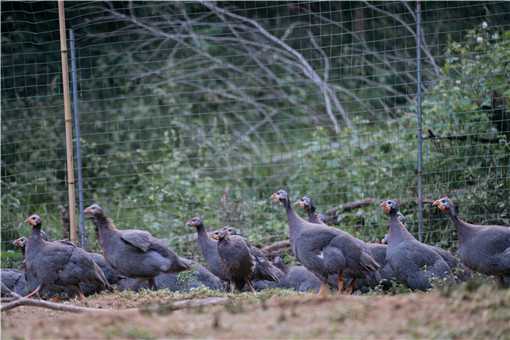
(236, 258)
(482, 248)
(327, 251)
(414, 263)
(58, 265)
(307, 204)
(134, 253)
(264, 269)
(377, 250)
(209, 248)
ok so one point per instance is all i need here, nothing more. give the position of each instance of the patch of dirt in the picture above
(484, 313)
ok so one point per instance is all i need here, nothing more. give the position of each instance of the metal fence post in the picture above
(419, 160)
(76, 116)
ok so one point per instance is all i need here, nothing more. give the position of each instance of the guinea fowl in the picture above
(461, 272)
(112, 276)
(327, 251)
(482, 248)
(264, 269)
(413, 262)
(378, 251)
(209, 248)
(134, 253)
(307, 204)
(236, 258)
(57, 264)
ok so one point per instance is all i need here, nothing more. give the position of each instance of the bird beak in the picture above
(300, 204)
(386, 208)
(441, 206)
(29, 221)
(214, 237)
(274, 197)
(87, 211)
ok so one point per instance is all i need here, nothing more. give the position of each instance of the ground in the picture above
(480, 312)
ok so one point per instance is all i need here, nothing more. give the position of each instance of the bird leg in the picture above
(350, 288)
(152, 283)
(248, 282)
(232, 287)
(79, 293)
(341, 283)
(324, 290)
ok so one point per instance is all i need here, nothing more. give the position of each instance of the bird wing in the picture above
(137, 238)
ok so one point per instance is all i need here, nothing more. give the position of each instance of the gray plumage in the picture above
(209, 248)
(58, 265)
(13, 280)
(377, 251)
(112, 276)
(324, 250)
(198, 276)
(413, 262)
(134, 253)
(236, 258)
(485, 249)
(308, 205)
(264, 269)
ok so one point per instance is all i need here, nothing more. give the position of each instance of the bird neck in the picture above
(104, 228)
(398, 231)
(314, 217)
(205, 243)
(294, 222)
(34, 242)
(464, 230)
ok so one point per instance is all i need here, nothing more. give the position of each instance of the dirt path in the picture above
(481, 314)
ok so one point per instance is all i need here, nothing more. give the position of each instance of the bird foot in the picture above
(323, 291)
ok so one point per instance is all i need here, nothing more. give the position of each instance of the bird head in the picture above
(222, 234)
(20, 242)
(93, 211)
(34, 220)
(231, 230)
(389, 206)
(444, 204)
(280, 196)
(195, 222)
(305, 203)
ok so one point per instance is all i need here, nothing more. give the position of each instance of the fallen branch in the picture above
(332, 214)
(49, 305)
(166, 308)
(277, 246)
(431, 135)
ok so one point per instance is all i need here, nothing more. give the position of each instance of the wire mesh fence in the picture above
(206, 108)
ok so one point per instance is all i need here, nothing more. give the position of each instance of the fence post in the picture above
(68, 123)
(76, 117)
(419, 160)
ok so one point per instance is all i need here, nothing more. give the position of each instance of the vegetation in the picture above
(191, 109)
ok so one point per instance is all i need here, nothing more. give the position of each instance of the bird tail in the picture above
(267, 270)
(180, 264)
(368, 263)
(102, 278)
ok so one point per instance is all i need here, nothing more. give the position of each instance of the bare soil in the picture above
(458, 314)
